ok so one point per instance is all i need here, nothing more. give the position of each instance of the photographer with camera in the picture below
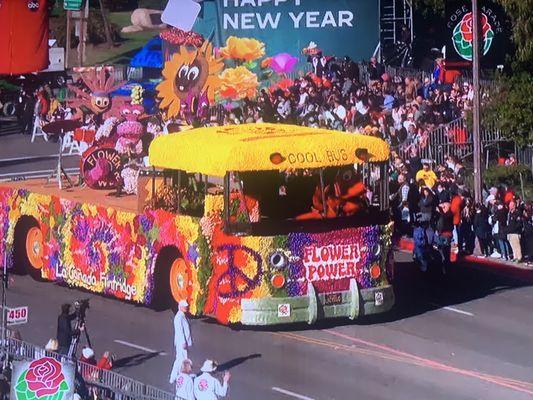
(64, 329)
(68, 336)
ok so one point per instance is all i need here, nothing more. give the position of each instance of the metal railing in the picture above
(525, 156)
(100, 381)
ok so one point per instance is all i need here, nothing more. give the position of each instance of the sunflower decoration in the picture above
(189, 75)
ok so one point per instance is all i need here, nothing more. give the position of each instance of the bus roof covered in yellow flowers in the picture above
(297, 229)
(262, 147)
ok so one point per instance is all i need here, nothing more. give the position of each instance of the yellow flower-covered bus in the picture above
(255, 224)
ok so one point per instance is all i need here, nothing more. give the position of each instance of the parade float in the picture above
(206, 234)
(255, 224)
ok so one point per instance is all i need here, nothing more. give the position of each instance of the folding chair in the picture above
(37, 130)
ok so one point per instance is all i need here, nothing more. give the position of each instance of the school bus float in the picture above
(252, 224)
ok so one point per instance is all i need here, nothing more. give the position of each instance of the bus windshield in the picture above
(300, 198)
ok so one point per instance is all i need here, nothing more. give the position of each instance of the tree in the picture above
(520, 13)
(426, 7)
(511, 109)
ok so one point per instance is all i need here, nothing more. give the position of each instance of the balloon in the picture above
(283, 63)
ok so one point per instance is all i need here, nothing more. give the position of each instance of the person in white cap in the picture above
(183, 381)
(206, 386)
(182, 334)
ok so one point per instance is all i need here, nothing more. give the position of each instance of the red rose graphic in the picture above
(44, 377)
(467, 26)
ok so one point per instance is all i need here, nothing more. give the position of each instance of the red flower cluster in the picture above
(181, 38)
(467, 26)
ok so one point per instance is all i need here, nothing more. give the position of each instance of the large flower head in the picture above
(238, 83)
(243, 49)
(189, 72)
(283, 63)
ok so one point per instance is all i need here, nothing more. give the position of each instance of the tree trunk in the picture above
(107, 28)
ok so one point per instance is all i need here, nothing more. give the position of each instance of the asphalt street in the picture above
(20, 157)
(467, 336)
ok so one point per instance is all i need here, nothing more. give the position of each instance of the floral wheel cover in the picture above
(463, 36)
(35, 247)
(43, 380)
(179, 280)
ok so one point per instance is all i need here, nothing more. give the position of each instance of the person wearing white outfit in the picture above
(182, 336)
(206, 386)
(183, 381)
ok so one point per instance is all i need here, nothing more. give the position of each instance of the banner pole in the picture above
(4, 310)
(476, 59)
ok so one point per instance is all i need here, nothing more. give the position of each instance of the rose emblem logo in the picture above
(179, 382)
(43, 380)
(463, 36)
(203, 385)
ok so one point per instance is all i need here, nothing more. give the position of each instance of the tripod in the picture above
(80, 325)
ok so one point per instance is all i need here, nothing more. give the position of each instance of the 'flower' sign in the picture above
(42, 379)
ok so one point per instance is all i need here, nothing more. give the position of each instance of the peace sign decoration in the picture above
(243, 273)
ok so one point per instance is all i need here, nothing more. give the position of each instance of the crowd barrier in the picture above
(103, 383)
(525, 156)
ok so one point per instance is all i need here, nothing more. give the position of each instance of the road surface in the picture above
(19, 157)
(468, 336)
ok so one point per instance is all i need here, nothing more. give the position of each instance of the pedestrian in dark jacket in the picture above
(64, 329)
(443, 194)
(413, 197)
(466, 233)
(515, 226)
(500, 215)
(482, 229)
(444, 233)
(426, 204)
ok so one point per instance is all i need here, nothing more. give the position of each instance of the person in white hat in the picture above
(87, 356)
(182, 334)
(183, 381)
(206, 386)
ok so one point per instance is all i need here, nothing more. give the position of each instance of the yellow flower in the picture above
(188, 227)
(238, 83)
(235, 315)
(244, 49)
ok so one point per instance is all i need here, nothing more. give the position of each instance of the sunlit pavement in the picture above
(466, 336)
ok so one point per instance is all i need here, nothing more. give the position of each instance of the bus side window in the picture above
(192, 195)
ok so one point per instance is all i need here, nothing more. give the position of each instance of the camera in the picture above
(80, 307)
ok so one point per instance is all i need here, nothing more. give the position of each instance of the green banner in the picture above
(338, 27)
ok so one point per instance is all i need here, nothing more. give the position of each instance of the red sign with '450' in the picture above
(17, 316)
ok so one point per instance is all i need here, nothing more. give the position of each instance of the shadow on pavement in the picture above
(237, 361)
(417, 293)
(134, 360)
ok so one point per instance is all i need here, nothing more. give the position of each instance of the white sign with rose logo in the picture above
(43, 379)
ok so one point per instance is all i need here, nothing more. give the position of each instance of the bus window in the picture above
(182, 193)
(301, 194)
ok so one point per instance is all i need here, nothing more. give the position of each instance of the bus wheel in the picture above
(35, 248)
(179, 280)
(163, 296)
(28, 248)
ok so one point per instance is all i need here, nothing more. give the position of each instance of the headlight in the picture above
(278, 260)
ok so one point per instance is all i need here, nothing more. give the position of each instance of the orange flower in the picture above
(284, 85)
(238, 83)
(245, 49)
(266, 62)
